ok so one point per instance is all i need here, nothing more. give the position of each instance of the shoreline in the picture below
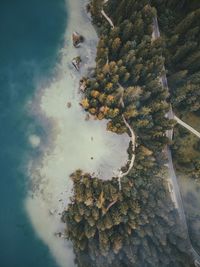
(74, 140)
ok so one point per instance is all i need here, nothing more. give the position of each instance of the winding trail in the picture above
(133, 140)
(133, 137)
(123, 174)
(173, 184)
(107, 18)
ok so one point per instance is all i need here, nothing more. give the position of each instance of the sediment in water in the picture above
(75, 141)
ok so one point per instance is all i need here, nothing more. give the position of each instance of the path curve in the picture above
(133, 140)
(176, 196)
(107, 18)
(123, 174)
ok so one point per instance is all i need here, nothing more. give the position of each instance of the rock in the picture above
(51, 212)
(59, 234)
(87, 117)
(88, 8)
(76, 62)
(69, 104)
(82, 85)
(77, 39)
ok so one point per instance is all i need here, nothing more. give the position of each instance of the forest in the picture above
(137, 225)
(179, 23)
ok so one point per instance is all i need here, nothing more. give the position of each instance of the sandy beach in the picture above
(75, 143)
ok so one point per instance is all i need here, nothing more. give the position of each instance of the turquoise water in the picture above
(31, 34)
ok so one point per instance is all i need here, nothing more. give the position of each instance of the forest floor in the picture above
(189, 141)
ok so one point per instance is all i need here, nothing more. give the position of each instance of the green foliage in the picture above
(137, 226)
(119, 224)
(183, 70)
(127, 56)
(186, 151)
(182, 51)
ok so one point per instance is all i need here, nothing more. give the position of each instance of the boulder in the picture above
(82, 85)
(77, 39)
(69, 104)
(76, 62)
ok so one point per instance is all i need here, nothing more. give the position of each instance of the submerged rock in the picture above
(60, 235)
(77, 39)
(87, 117)
(69, 104)
(76, 62)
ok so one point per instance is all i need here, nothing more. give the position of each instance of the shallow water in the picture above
(70, 141)
(28, 52)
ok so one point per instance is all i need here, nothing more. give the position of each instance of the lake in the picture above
(43, 141)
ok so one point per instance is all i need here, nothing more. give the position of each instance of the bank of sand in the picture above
(74, 140)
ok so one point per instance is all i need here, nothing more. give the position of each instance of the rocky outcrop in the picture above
(77, 39)
(76, 62)
(82, 85)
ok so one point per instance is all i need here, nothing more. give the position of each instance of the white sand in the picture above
(34, 140)
(74, 140)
